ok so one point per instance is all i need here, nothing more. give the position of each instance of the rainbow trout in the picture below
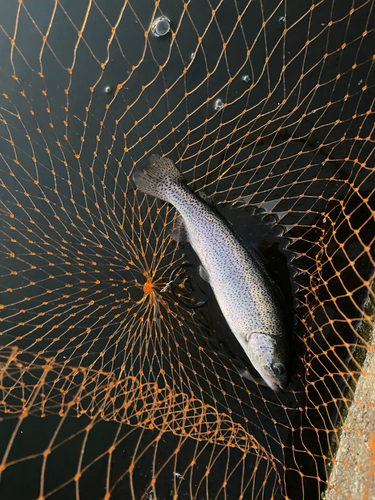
(245, 293)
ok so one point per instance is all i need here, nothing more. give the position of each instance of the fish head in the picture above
(268, 355)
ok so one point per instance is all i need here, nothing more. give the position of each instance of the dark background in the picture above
(293, 140)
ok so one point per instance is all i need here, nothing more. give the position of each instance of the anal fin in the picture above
(179, 233)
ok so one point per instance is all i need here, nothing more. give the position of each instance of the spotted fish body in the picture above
(244, 291)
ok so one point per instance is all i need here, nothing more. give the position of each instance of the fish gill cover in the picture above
(110, 387)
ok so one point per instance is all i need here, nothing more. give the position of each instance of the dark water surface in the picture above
(282, 182)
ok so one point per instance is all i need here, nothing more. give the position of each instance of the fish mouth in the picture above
(276, 385)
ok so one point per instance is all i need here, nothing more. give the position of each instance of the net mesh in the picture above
(110, 387)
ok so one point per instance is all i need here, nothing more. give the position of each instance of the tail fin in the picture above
(158, 179)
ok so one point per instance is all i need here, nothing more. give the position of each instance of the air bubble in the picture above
(218, 104)
(161, 26)
(245, 78)
(108, 90)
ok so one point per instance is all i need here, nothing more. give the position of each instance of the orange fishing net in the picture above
(110, 387)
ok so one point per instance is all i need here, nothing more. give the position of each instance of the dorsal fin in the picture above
(205, 197)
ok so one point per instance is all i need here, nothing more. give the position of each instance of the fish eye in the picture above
(278, 369)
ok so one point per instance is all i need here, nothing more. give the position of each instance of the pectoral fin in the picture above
(203, 273)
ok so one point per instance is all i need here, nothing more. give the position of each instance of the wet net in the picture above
(112, 385)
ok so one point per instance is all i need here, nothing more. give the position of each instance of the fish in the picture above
(250, 301)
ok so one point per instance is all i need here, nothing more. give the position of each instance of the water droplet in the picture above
(245, 78)
(218, 104)
(161, 26)
(108, 89)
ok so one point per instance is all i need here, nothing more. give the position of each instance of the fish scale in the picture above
(247, 297)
